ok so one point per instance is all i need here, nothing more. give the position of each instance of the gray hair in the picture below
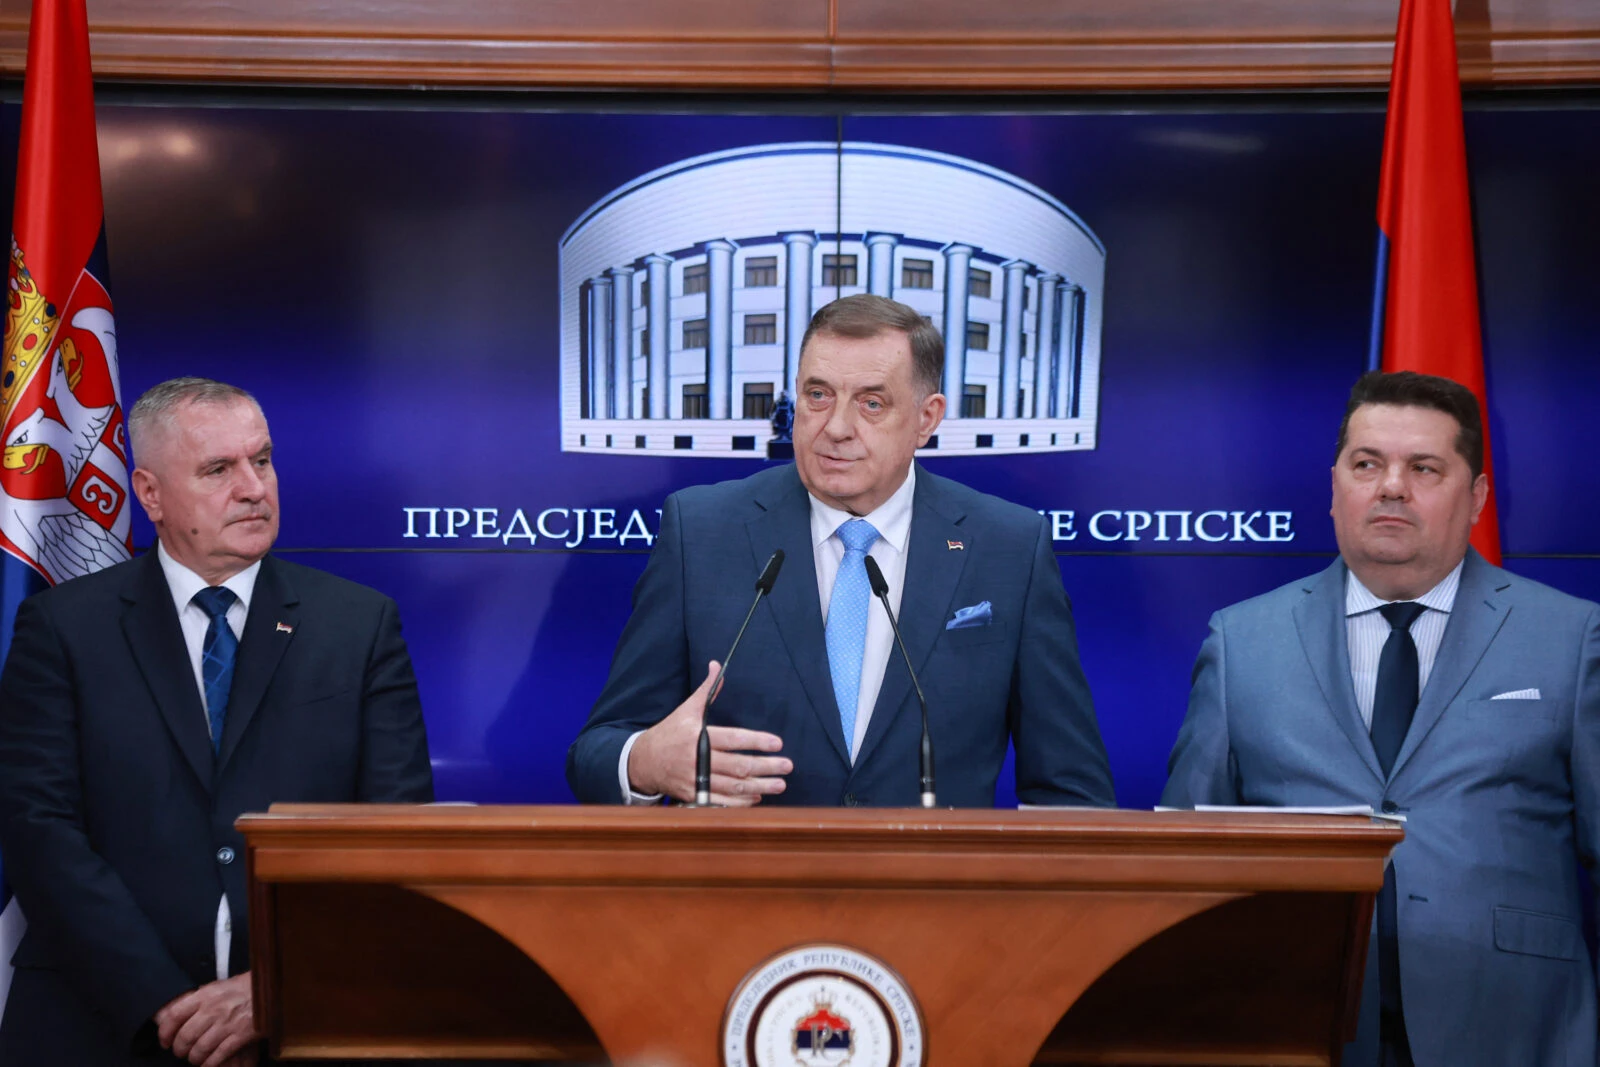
(867, 315)
(160, 403)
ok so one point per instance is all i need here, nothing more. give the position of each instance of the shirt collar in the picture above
(185, 583)
(1358, 599)
(892, 518)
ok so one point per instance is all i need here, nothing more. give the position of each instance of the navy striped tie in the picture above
(217, 656)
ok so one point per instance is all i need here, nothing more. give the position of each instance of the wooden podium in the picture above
(1053, 937)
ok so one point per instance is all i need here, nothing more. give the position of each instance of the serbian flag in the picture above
(1425, 304)
(64, 508)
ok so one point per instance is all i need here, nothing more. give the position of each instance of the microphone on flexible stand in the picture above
(880, 589)
(702, 754)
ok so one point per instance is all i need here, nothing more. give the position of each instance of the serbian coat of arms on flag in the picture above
(64, 508)
(64, 504)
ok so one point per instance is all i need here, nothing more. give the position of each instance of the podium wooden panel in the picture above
(1052, 937)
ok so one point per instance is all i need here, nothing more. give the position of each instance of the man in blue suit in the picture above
(1414, 677)
(819, 708)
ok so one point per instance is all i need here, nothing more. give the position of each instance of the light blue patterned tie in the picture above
(217, 655)
(847, 621)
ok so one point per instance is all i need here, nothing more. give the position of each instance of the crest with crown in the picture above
(30, 322)
(64, 506)
(822, 1036)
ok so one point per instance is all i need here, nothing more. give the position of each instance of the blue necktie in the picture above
(1394, 704)
(847, 621)
(1394, 700)
(217, 655)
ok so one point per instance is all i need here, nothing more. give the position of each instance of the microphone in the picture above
(702, 754)
(880, 589)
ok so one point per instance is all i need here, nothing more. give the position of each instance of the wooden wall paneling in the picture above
(589, 43)
(1152, 44)
(814, 45)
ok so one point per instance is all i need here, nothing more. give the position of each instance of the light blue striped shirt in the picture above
(1366, 630)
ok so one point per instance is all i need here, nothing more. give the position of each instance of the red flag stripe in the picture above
(59, 209)
(1431, 322)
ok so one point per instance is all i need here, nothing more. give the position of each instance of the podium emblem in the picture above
(823, 1006)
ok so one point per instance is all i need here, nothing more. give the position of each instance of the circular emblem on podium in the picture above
(823, 1006)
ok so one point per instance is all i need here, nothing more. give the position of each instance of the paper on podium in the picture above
(1332, 809)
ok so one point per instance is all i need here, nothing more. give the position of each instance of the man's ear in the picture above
(148, 489)
(1480, 495)
(929, 418)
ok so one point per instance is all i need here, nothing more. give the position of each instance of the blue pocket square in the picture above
(968, 618)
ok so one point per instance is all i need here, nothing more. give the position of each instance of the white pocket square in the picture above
(1518, 694)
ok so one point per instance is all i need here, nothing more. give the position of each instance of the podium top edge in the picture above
(381, 820)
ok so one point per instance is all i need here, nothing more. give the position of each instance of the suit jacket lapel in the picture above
(1319, 618)
(260, 649)
(785, 522)
(150, 624)
(1475, 619)
(932, 572)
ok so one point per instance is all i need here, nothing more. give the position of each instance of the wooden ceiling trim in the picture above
(815, 45)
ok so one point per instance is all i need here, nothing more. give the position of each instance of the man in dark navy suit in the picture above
(143, 709)
(819, 707)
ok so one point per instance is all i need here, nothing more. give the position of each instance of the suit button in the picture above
(850, 800)
(1390, 807)
(224, 855)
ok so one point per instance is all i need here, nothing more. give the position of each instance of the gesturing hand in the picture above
(662, 760)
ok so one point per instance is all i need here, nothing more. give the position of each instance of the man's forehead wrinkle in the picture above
(249, 450)
(1413, 454)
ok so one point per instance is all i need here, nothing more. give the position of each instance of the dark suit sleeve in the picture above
(1586, 753)
(394, 744)
(1060, 756)
(649, 673)
(1201, 769)
(106, 947)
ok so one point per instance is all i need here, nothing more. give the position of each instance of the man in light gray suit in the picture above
(1415, 677)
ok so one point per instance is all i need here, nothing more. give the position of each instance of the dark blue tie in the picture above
(217, 655)
(1395, 700)
(1394, 704)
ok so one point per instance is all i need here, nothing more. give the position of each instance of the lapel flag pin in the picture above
(955, 546)
(285, 628)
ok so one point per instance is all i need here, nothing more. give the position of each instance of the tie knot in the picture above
(1402, 614)
(858, 535)
(215, 600)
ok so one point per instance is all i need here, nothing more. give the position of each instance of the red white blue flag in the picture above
(64, 507)
(1425, 305)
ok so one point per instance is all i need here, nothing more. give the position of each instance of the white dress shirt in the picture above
(192, 619)
(892, 520)
(1366, 630)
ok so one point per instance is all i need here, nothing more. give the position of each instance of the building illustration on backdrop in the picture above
(685, 293)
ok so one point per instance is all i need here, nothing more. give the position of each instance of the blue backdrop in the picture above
(385, 281)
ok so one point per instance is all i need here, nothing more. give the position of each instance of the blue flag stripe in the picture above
(17, 582)
(1380, 298)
